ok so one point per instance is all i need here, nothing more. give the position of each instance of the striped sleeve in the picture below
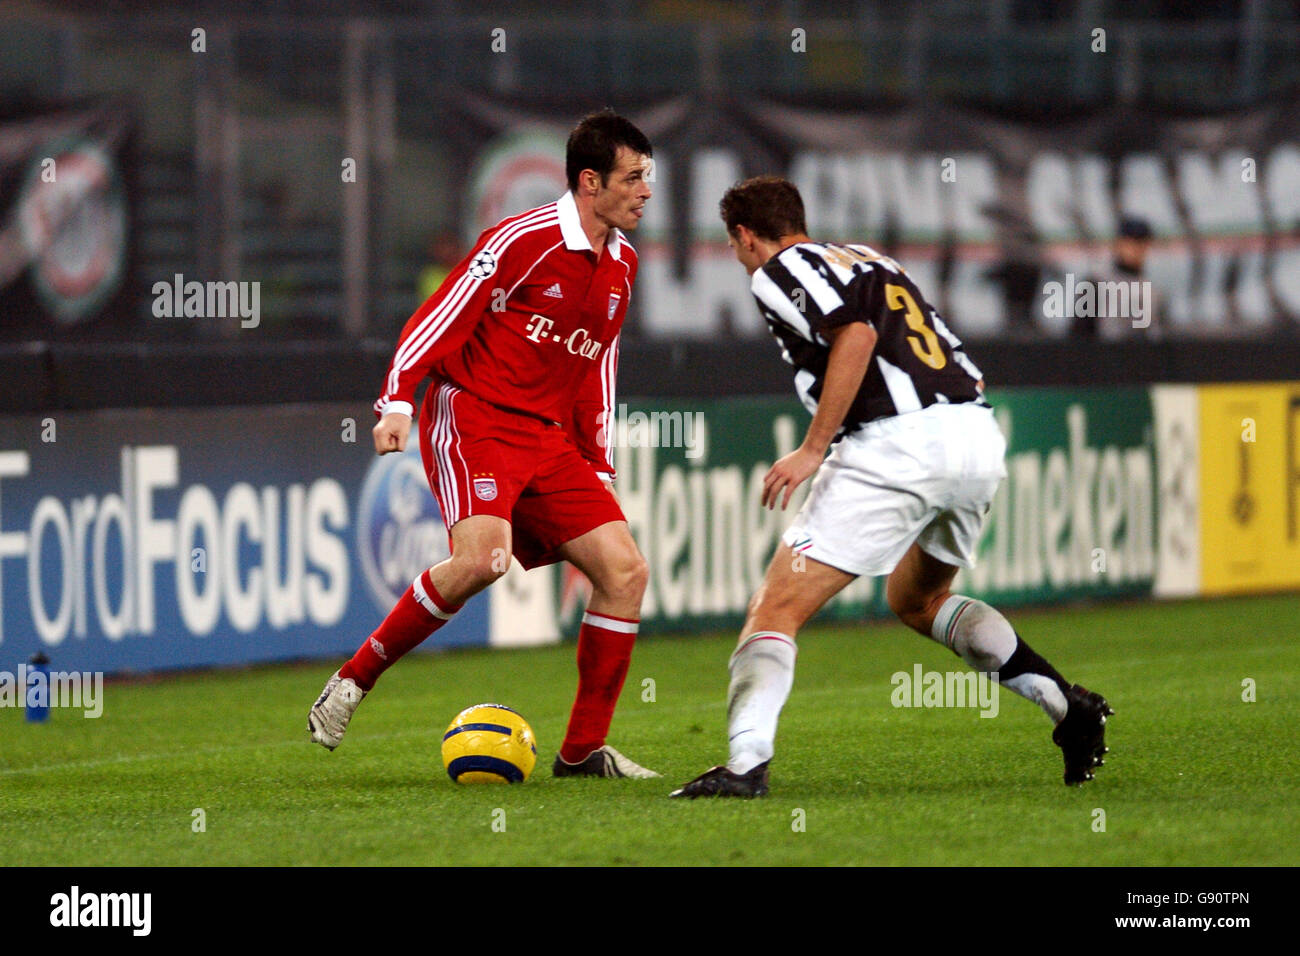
(823, 297)
(447, 318)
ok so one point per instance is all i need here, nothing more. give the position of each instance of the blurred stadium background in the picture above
(192, 489)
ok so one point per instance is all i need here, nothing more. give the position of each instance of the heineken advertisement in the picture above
(221, 543)
(1077, 517)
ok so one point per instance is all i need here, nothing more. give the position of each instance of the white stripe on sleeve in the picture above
(441, 318)
(770, 294)
(827, 299)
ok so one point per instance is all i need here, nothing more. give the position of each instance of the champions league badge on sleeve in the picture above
(399, 527)
(483, 265)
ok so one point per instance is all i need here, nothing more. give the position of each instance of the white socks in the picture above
(1043, 692)
(986, 641)
(975, 632)
(762, 672)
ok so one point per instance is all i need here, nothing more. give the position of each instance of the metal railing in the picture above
(270, 94)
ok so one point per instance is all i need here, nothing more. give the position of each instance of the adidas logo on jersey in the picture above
(554, 292)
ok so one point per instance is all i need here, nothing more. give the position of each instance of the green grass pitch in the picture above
(1196, 776)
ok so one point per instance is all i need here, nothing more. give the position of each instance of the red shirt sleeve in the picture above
(592, 424)
(444, 322)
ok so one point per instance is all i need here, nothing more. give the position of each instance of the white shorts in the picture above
(927, 476)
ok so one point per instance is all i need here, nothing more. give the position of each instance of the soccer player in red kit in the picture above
(520, 346)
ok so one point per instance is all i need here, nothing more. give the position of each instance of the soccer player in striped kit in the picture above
(520, 346)
(916, 460)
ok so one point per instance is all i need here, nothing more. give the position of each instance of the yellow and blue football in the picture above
(489, 743)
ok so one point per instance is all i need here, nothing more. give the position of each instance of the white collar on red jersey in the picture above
(575, 237)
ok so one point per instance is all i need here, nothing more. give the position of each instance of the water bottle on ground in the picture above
(37, 705)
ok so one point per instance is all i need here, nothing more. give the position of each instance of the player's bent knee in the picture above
(903, 605)
(915, 610)
(625, 578)
(639, 575)
(481, 568)
(906, 600)
(901, 600)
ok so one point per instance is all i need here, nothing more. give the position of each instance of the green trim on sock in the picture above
(952, 622)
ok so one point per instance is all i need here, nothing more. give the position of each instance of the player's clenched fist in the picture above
(391, 433)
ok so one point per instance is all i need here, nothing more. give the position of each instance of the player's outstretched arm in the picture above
(391, 433)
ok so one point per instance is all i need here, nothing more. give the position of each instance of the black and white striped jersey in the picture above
(812, 287)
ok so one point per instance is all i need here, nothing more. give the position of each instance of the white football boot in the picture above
(328, 718)
(605, 762)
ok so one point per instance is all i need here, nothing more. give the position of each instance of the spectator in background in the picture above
(444, 253)
(1092, 319)
(1132, 245)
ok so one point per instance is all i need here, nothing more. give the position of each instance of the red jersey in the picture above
(529, 321)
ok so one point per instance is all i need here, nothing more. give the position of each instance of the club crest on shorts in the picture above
(485, 488)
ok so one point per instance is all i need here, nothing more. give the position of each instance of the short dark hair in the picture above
(594, 144)
(1134, 227)
(768, 205)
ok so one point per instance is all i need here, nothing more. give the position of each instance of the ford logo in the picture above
(399, 527)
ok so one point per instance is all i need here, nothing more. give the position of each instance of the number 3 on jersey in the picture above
(927, 348)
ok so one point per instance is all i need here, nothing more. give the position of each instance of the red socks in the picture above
(604, 652)
(418, 613)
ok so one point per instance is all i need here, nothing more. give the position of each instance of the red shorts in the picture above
(484, 460)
